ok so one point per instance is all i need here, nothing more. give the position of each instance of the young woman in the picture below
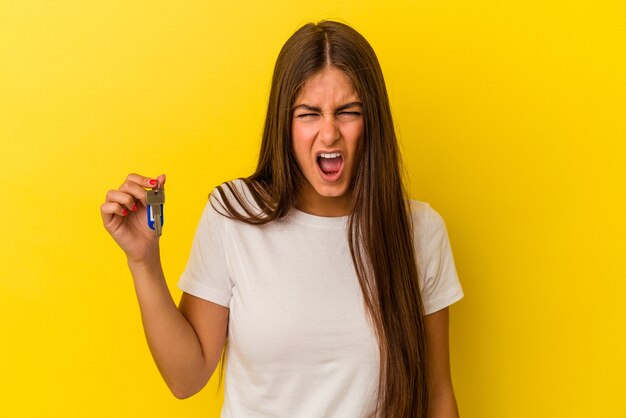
(329, 286)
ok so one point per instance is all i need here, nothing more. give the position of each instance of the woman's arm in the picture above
(441, 400)
(185, 343)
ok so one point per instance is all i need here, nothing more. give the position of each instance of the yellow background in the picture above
(511, 116)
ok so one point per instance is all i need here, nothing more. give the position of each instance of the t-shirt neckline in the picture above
(327, 221)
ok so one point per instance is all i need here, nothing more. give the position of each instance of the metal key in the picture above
(155, 199)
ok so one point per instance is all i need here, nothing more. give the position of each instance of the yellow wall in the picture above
(512, 118)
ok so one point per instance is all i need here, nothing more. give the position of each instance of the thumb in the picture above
(161, 180)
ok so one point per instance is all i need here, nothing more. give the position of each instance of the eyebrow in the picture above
(318, 109)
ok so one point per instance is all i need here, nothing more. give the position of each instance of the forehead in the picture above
(327, 85)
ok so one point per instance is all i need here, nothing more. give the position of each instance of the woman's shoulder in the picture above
(229, 190)
(425, 218)
(235, 197)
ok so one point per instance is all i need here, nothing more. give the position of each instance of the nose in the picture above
(329, 132)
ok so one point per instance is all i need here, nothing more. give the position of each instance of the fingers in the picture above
(135, 191)
(112, 208)
(136, 185)
(124, 200)
(146, 182)
(161, 180)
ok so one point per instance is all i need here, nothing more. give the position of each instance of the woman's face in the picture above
(327, 128)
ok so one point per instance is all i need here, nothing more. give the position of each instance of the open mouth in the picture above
(330, 164)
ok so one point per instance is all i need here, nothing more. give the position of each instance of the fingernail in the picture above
(153, 182)
(124, 212)
(134, 207)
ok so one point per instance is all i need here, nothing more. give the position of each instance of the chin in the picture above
(337, 190)
(326, 191)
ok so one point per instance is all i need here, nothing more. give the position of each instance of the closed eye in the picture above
(306, 115)
(349, 115)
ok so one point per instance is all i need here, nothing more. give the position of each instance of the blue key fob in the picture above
(151, 216)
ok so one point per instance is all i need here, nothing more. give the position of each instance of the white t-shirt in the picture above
(299, 342)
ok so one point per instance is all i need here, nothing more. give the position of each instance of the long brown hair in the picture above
(379, 226)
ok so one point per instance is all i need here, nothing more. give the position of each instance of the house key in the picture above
(155, 198)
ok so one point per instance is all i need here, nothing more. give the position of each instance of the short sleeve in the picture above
(207, 274)
(440, 283)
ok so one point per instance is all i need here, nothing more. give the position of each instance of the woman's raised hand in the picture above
(124, 217)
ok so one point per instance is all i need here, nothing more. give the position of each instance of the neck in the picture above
(311, 202)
